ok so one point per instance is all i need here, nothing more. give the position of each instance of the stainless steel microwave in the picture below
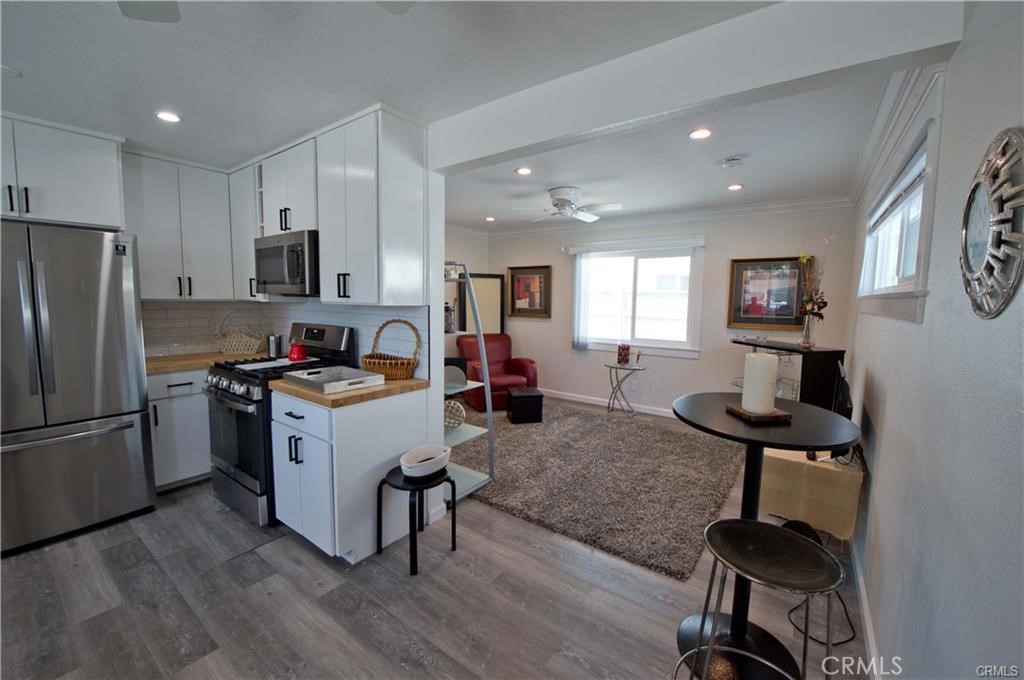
(286, 264)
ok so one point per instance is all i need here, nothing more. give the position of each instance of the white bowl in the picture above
(424, 460)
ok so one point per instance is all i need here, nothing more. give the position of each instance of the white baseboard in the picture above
(867, 624)
(603, 401)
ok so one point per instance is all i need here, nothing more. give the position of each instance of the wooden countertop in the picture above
(174, 363)
(388, 389)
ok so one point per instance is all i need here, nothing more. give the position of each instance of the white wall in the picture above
(939, 541)
(174, 327)
(581, 372)
(463, 246)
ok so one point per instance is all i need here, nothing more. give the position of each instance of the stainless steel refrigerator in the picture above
(75, 445)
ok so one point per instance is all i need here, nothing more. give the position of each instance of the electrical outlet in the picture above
(632, 388)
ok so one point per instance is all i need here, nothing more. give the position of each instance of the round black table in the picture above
(812, 429)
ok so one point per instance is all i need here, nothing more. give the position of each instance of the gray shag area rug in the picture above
(637, 489)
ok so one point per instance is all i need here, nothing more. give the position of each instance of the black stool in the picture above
(525, 405)
(773, 557)
(417, 488)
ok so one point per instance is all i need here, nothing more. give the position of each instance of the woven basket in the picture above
(392, 366)
(237, 339)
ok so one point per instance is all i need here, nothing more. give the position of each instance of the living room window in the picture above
(891, 252)
(648, 298)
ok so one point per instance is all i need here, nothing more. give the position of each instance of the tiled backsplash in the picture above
(174, 327)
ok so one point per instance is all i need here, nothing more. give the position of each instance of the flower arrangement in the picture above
(813, 300)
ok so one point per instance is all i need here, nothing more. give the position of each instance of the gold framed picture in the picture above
(765, 294)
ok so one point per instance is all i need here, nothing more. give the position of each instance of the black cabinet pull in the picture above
(179, 287)
(184, 384)
(344, 285)
(24, 190)
(10, 197)
(251, 282)
(291, 451)
(189, 286)
(298, 460)
(287, 219)
(280, 219)
(156, 417)
(293, 415)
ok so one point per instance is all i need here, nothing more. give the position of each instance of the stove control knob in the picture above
(210, 379)
(223, 383)
(256, 393)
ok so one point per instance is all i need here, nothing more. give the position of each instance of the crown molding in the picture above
(680, 216)
(898, 114)
(468, 232)
(170, 159)
(61, 126)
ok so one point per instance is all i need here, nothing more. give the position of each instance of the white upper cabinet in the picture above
(245, 228)
(151, 213)
(65, 176)
(205, 234)
(289, 189)
(10, 172)
(180, 215)
(372, 249)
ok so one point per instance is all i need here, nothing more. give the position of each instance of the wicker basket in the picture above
(392, 366)
(237, 339)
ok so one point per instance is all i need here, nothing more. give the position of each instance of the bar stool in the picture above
(417, 488)
(771, 556)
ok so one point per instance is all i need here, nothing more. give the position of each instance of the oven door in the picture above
(286, 264)
(238, 439)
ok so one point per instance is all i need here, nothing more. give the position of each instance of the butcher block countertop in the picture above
(174, 363)
(388, 389)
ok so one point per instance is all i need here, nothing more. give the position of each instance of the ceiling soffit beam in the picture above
(776, 51)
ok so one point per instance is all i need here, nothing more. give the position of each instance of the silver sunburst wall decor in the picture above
(992, 233)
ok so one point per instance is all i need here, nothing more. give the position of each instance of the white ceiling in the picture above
(249, 76)
(799, 148)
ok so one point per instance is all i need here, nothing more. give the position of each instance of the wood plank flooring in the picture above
(194, 591)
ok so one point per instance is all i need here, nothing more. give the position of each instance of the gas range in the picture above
(240, 416)
(248, 378)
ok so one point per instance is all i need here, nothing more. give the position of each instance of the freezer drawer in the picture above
(59, 479)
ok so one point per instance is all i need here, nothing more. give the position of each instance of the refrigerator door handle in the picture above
(127, 425)
(45, 340)
(27, 326)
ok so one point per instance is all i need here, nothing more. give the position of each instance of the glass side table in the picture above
(617, 376)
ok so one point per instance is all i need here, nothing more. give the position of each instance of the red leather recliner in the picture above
(505, 371)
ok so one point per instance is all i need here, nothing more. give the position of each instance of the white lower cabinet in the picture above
(326, 489)
(303, 491)
(180, 422)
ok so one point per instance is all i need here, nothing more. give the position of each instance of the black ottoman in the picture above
(525, 405)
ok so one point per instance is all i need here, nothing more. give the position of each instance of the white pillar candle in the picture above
(759, 373)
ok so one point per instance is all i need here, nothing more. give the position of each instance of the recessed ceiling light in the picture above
(524, 171)
(488, 219)
(700, 133)
(735, 187)
(168, 117)
(10, 72)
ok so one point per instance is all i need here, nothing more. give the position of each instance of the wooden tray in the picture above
(776, 417)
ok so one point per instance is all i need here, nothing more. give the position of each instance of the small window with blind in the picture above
(892, 256)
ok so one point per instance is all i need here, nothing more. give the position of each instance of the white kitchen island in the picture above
(329, 453)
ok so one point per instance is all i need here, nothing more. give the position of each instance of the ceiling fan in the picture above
(565, 202)
(159, 11)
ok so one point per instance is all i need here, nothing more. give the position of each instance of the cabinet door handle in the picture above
(24, 190)
(156, 417)
(189, 286)
(181, 384)
(293, 415)
(298, 460)
(179, 287)
(287, 219)
(251, 282)
(280, 219)
(291, 450)
(344, 285)
(10, 197)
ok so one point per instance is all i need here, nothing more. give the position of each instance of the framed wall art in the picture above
(765, 294)
(530, 291)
